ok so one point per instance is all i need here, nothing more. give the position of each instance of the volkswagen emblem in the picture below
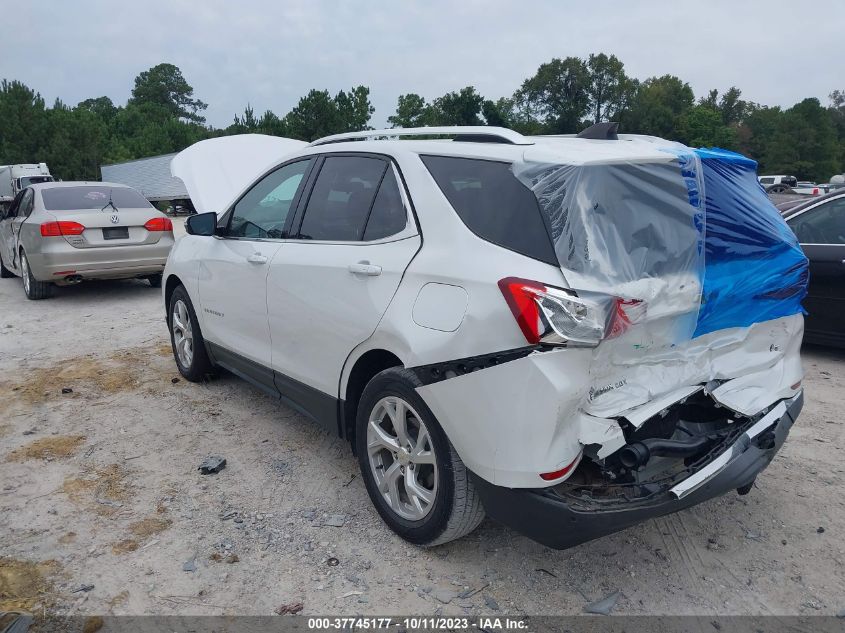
(115, 219)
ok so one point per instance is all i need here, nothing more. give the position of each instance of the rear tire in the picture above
(5, 273)
(155, 280)
(33, 288)
(186, 338)
(414, 476)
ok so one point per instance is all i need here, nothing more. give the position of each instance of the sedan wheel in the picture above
(33, 288)
(401, 458)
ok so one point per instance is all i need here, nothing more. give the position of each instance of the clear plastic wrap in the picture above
(689, 233)
(632, 230)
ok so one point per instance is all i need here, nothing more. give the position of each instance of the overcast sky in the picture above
(271, 52)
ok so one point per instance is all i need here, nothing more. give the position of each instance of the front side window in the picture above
(263, 210)
(14, 206)
(493, 204)
(823, 225)
(342, 197)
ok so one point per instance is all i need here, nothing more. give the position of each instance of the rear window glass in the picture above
(92, 197)
(493, 204)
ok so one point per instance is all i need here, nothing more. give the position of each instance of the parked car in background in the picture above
(500, 323)
(777, 184)
(65, 232)
(819, 225)
(807, 188)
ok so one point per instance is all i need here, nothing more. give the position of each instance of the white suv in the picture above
(572, 334)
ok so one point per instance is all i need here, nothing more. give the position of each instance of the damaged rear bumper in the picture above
(555, 521)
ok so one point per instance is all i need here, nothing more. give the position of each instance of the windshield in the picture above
(33, 180)
(92, 197)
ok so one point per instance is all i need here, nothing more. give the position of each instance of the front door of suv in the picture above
(233, 271)
(331, 283)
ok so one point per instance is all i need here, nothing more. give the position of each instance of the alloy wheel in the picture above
(25, 274)
(401, 458)
(183, 336)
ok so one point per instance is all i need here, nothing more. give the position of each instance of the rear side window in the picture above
(388, 215)
(767, 180)
(92, 197)
(341, 199)
(493, 204)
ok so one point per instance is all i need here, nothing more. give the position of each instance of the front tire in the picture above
(186, 338)
(33, 288)
(414, 476)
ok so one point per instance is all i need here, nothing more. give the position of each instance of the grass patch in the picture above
(57, 446)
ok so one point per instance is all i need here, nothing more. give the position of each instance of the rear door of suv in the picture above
(332, 281)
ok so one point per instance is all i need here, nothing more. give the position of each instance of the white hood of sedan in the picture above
(215, 171)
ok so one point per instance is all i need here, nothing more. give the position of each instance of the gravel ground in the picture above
(100, 487)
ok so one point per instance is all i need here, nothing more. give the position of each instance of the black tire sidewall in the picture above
(195, 372)
(427, 529)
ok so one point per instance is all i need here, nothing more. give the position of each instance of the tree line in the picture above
(564, 96)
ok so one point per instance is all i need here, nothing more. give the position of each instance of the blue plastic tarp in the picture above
(754, 267)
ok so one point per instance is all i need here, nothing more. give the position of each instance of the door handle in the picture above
(257, 258)
(365, 268)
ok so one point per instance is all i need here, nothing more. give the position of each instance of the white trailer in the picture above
(13, 178)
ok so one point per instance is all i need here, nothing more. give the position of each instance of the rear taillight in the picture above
(159, 224)
(816, 191)
(554, 316)
(57, 229)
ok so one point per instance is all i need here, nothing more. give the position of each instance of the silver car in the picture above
(64, 232)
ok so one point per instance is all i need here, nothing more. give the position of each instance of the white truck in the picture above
(13, 178)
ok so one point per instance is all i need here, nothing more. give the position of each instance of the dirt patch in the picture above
(164, 350)
(23, 584)
(102, 489)
(67, 539)
(84, 376)
(149, 526)
(48, 448)
(124, 546)
(120, 598)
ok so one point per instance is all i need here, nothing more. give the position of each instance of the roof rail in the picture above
(466, 133)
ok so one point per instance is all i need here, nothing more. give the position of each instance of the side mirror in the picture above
(201, 224)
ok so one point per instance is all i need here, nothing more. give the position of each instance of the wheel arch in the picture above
(360, 372)
(171, 284)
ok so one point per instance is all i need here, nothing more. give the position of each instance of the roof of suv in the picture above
(506, 145)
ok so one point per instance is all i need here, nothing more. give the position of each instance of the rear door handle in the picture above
(257, 258)
(365, 268)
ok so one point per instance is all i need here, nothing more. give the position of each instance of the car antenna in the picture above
(109, 203)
